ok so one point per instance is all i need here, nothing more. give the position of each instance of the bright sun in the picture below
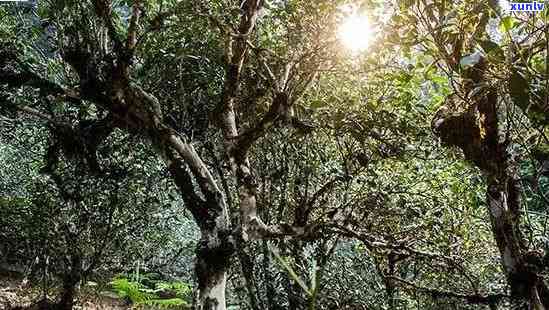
(356, 33)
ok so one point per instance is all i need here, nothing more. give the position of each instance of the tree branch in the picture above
(104, 11)
(132, 28)
(437, 293)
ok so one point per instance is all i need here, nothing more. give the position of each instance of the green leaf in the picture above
(507, 23)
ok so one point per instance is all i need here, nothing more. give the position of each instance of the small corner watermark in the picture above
(534, 6)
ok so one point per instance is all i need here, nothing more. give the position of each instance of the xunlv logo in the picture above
(526, 7)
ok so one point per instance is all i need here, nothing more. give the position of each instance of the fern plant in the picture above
(139, 294)
(131, 290)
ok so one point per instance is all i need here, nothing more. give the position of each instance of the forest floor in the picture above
(15, 292)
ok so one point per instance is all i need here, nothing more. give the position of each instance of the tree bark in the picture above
(250, 223)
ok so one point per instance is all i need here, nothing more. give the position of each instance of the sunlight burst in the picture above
(356, 33)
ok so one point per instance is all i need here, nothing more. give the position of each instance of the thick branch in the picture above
(205, 180)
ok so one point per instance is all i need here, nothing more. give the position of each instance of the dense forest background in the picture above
(273, 154)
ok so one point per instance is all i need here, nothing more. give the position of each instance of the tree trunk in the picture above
(212, 277)
(66, 301)
(213, 257)
(528, 291)
(477, 131)
(216, 246)
(70, 280)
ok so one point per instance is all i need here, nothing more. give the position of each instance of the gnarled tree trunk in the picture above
(474, 127)
(216, 246)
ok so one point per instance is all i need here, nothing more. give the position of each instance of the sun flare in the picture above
(356, 33)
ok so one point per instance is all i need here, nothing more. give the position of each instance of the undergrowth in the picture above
(146, 290)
